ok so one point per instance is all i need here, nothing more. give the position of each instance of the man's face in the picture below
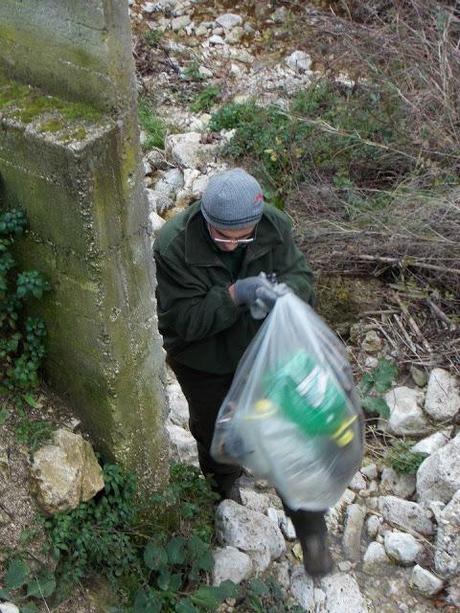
(228, 240)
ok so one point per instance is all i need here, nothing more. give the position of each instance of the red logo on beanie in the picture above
(259, 198)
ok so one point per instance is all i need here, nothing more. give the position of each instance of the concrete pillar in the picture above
(69, 154)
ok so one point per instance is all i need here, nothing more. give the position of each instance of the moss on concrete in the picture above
(48, 113)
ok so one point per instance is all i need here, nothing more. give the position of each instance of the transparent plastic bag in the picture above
(291, 415)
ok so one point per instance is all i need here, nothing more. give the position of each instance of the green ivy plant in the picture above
(400, 457)
(374, 384)
(22, 346)
(157, 556)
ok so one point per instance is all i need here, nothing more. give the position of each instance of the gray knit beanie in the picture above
(232, 200)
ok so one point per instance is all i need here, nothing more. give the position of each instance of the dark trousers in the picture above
(205, 393)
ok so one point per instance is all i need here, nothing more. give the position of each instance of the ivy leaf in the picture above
(32, 402)
(211, 597)
(164, 580)
(30, 607)
(258, 587)
(229, 589)
(373, 404)
(146, 602)
(155, 556)
(42, 586)
(176, 550)
(16, 575)
(384, 375)
(208, 597)
(4, 594)
(185, 606)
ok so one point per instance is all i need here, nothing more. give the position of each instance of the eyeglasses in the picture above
(231, 241)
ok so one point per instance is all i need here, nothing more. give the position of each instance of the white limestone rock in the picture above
(453, 593)
(182, 445)
(178, 405)
(255, 501)
(335, 514)
(170, 182)
(408, 515)
(280, 571)
(372, 342)
(234, 36)
(358, 482)
(442, 401)
(8, 607)
(354, 522)
(447, 551)
(187, 150)
(65, 473)
(342, 594)
(216, 39)
(370, 471)
(287, 527)
(400, 485)
(402, 547)
(230, 564)
(425, 582)
(249, 531)
(299, 61)
(158, 202)
(229, 20)
(373, 524)
(438, 477)
(179, 23)
(432, 443)
(302, 588)
(375, 559)
(406, 414)
(155, 221)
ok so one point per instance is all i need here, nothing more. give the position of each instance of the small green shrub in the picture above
(375, 383)
(22, 341)
(402, 459)
(153, 37)
(192, 72)
(205, 99)
(330, 134)
(152, 125)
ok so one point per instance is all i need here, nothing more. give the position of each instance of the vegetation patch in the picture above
(22, 339)
(153, 126)
(206, 99)
(156, 557)
(400, 457)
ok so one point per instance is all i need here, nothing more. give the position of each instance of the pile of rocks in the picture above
(403, 530)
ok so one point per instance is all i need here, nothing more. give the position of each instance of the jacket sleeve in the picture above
(189, 308)
(293, 269)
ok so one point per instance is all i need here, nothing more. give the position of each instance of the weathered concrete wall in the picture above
(78, 49)
(75, 168)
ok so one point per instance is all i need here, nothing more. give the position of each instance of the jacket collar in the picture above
(200, 252)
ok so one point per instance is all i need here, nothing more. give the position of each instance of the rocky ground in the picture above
(395, 537)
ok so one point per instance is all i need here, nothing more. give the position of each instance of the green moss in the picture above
(78, 133)
(27, 103)
(51, 125)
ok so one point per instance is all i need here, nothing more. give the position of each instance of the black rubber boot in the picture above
(311, 530)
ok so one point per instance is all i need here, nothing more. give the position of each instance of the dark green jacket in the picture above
(201, 326)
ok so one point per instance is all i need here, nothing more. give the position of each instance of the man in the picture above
(209, 259)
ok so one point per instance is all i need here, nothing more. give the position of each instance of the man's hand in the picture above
(244, 291)
(258, 293)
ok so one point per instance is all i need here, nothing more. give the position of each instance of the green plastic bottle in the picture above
(308, 396)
